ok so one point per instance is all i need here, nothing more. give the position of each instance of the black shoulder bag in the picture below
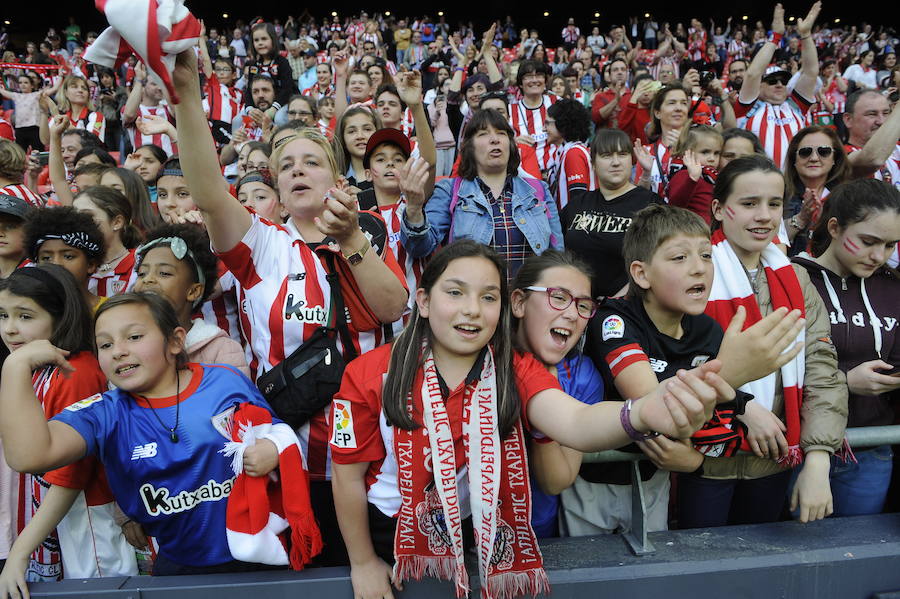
(307, 380)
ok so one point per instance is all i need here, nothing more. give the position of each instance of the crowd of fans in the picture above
(678, 238)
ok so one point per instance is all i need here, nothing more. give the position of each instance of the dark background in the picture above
(29, 19)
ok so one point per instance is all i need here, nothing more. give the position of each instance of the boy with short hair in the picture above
(657, 329)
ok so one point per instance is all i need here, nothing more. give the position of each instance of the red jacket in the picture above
(695, 196)
(633, 120)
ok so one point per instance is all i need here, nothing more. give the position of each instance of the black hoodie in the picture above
(864, 317)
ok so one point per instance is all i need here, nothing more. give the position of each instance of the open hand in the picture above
(763, 348)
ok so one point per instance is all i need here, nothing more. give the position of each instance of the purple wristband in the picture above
(625, 419)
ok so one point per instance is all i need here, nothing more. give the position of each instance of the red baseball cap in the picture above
(391, 136)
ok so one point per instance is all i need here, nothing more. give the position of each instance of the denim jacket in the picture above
(473, 218)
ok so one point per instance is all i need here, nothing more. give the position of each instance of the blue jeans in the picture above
(860, 488)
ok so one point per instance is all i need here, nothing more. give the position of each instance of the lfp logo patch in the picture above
(613, 327)
(342, 429)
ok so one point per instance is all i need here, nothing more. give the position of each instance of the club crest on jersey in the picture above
(342, 430)
(118, 287)
(613, 327)
(302, 312)
(223, 422)
(159, 501)
(84, 403)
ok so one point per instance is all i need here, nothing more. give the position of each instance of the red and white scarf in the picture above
(429, 537)
(261, 508)
(731, 288)
(155, 30)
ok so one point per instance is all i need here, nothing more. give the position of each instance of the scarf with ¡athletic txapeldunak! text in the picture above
(429, 537)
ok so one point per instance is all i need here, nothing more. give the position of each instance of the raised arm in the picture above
(756, 70)
(875, 153)
(55, 161)
(133, 104)
(226, 220)
(205, 62)
(409, 86)
(809, 58)
(341, 66)
(494, 74)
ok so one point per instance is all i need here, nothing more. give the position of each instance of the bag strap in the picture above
(454, 198)
(339, 314)
(538, 187)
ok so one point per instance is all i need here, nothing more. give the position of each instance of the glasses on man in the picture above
(560, 299)
(223, 70)
(821, 151)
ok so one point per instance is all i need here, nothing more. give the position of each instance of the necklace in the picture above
(172, 434)
(108, 265)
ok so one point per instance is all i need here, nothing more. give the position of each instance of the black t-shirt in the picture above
(621, 334)
(594, 229)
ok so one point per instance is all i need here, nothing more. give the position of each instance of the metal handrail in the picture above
(636, 537)
(864, 436)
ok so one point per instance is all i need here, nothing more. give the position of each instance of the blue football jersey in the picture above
(177, 491)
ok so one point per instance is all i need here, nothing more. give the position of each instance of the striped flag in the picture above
(155, 30)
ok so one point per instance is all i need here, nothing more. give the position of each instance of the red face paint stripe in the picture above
(729, 211)
(850, 246)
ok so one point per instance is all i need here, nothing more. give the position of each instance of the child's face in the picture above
(547, 332)
(161, 272)
(133, 352)
(463, 308)
(708, 149)
(326, 110)
(751, 213)
(262, 199)
(149, 167)
(173, 198)
(55, 251)
(679, 275)
(384, 167)
(735, 147)
(22, 320)
(863, 247)
(357, 131)
(109, 227)
(12, 237)
(358, 88)
(613, 169)
(389, 108)
(262, 43)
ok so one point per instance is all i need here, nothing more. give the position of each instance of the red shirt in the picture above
(357, 413)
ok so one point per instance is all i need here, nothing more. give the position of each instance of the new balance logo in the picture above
(143, 451)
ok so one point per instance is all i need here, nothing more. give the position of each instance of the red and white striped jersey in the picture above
(659, 174)
(89, 121)
(115, 281)
(162, 140)
(775, 126)
(530, 121)
(222, 102)
(317, 92)
(21, 191)
(890, 172)
(284, 297)
(412, 267)
(222, 310)
(572, 171)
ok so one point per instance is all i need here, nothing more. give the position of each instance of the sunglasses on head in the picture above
(821, 151)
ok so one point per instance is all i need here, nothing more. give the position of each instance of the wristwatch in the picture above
(357, 257)
(795, 223)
